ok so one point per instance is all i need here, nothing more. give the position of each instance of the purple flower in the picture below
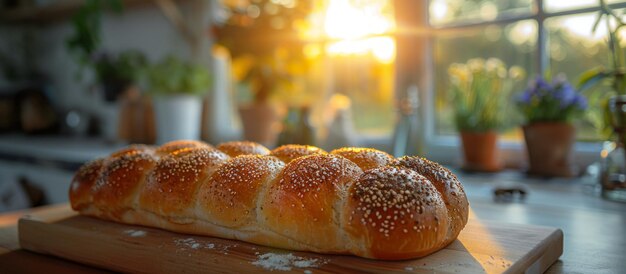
(565, 94)
(525, 97)
(555, 101)
(580, 101)
(540, 85)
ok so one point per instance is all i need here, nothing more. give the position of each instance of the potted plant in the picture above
(177, 87)
(549, 109)
(118, 72)
(615, 74)
(115, 74)
(264, 57)
(612, 104)
(480, 94)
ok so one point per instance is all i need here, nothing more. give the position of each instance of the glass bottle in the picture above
(305, 132)
(613, 171)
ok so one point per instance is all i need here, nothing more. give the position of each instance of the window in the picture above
(326, 55)
(513, 43)
(444, 12)
(538, 35)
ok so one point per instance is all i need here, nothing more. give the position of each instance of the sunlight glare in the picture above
(568, 5)
(382, 48)
(582, 26)
(354, 26)
(345, 21)
(438, 10)
(523, 32)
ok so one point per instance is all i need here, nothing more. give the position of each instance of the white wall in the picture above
(142, 28)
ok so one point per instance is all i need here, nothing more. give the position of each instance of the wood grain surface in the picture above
(482, 247)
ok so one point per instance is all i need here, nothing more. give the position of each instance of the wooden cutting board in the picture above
(482, 247)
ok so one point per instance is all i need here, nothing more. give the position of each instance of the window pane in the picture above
(514, 44)
(452, 11)
(356, 60)
(561, 5)
(573, 49)
(336, 57)
(369, 84)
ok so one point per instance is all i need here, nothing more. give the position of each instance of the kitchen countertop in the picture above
(55, 148)
(594, 229)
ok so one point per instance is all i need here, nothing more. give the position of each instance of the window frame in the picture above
(446, 148)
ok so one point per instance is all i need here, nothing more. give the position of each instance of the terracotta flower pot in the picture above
(480, 150)
(260, 123)
(549, 147)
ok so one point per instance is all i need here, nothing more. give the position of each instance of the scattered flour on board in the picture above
(135, 233)
(194, 244)
(308, 271)
(408, 268)
(284, 262)
(189, 242)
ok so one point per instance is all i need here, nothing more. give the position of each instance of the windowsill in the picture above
(447, 150)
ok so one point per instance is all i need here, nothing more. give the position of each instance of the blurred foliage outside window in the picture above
(300, 53)
(508, 30)
(490, 41)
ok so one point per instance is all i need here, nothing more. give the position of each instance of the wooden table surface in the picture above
(594, 229)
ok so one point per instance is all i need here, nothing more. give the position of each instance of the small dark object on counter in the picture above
(509, 194)
(37, 114)
(9, 114)
(35, 194)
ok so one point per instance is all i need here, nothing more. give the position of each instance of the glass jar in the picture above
(613, 171)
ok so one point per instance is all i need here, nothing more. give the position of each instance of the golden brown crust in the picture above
(288, 153)
(82, 183)
(230, 196)
(396, 213)
(395, 209)
(449, 188)
(170, 190)
(365, 158)
(308, 190)
(172, 146)
(236, 148)
(131, 150)
(120, 179)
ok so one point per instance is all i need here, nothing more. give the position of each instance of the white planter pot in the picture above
(110, 122)
(177, 117)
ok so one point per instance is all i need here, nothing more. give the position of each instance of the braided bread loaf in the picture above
(349, 201)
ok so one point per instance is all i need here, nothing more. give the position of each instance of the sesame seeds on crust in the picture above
(429, 169)
(288, 153)
(365, 158)
(237, 148)
(387, 199)
(311, 173)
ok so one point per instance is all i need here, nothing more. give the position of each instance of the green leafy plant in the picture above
(114, 71)
(617, 71)
(481, 91)
(558, 101)
(86, 38)
(127, 66)
(613, 76)
(173, 76)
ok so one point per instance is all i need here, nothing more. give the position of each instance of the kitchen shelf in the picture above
(55, 11)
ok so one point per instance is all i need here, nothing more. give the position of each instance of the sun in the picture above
(355, 28)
